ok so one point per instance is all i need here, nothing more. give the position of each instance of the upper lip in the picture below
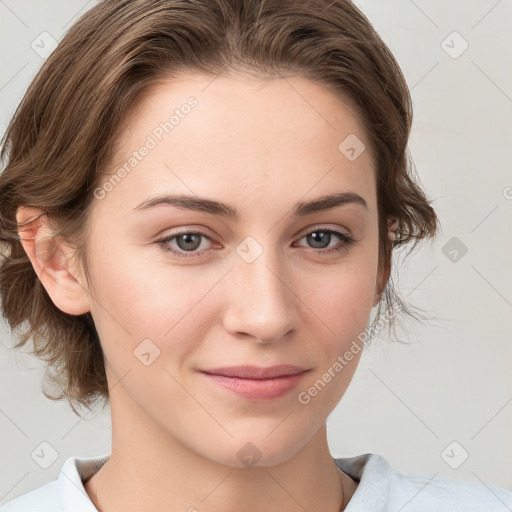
(256, 372)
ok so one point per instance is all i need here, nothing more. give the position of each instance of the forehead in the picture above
(228, 136)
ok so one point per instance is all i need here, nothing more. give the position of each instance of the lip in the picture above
(256, 372)
(255, 382)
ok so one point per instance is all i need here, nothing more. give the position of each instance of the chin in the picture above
(250, 451)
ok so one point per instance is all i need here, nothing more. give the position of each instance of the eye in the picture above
(186, 242)
(321, 239)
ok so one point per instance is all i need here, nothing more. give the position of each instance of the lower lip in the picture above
(258, 388)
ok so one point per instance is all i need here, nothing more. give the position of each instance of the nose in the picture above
(261, 302)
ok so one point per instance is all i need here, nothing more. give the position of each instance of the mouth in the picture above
(257, 383)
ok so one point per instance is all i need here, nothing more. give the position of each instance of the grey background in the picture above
(425, 405)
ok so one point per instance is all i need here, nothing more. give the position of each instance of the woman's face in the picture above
(257, 281)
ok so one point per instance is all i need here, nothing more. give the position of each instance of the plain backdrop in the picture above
(440, 404)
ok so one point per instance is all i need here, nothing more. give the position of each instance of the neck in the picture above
(149, 469)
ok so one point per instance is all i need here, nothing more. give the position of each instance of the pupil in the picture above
(316, 237)
(188, 238)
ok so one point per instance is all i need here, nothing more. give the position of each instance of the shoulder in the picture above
(66, 494)
(424, 492)
(43, 499)
(381, 488)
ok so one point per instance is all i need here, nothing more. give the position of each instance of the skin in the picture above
(260, 146)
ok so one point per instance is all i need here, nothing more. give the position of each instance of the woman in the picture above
(199, 204)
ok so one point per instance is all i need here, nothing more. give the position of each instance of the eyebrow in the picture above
(195, 203)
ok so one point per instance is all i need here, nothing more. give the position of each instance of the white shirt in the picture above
(380, 489)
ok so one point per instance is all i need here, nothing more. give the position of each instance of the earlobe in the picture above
(52, 260)
(383, 277)
(376, 299)
(382, 281)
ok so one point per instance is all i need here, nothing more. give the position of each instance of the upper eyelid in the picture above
(302, 234)
(321, 227)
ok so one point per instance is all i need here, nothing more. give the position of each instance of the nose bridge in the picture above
(261, 301)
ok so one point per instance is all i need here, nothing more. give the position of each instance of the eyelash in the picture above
(346, 239)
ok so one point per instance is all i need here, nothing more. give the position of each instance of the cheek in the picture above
(140, 294)
(136, 299)
(343, 298)
(123, 283)
(342, 308)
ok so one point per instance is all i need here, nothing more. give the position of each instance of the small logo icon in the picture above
(454, 455)
(146, 352)
(44, 455)
(454, 45)
(44, 44)
(352, 147)
(454, 249)
(249, 454)
(249, 249)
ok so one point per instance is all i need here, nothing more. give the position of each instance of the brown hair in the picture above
(61, 138)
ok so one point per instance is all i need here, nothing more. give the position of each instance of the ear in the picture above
(53, 261)
(382, 279)
(384, 272)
